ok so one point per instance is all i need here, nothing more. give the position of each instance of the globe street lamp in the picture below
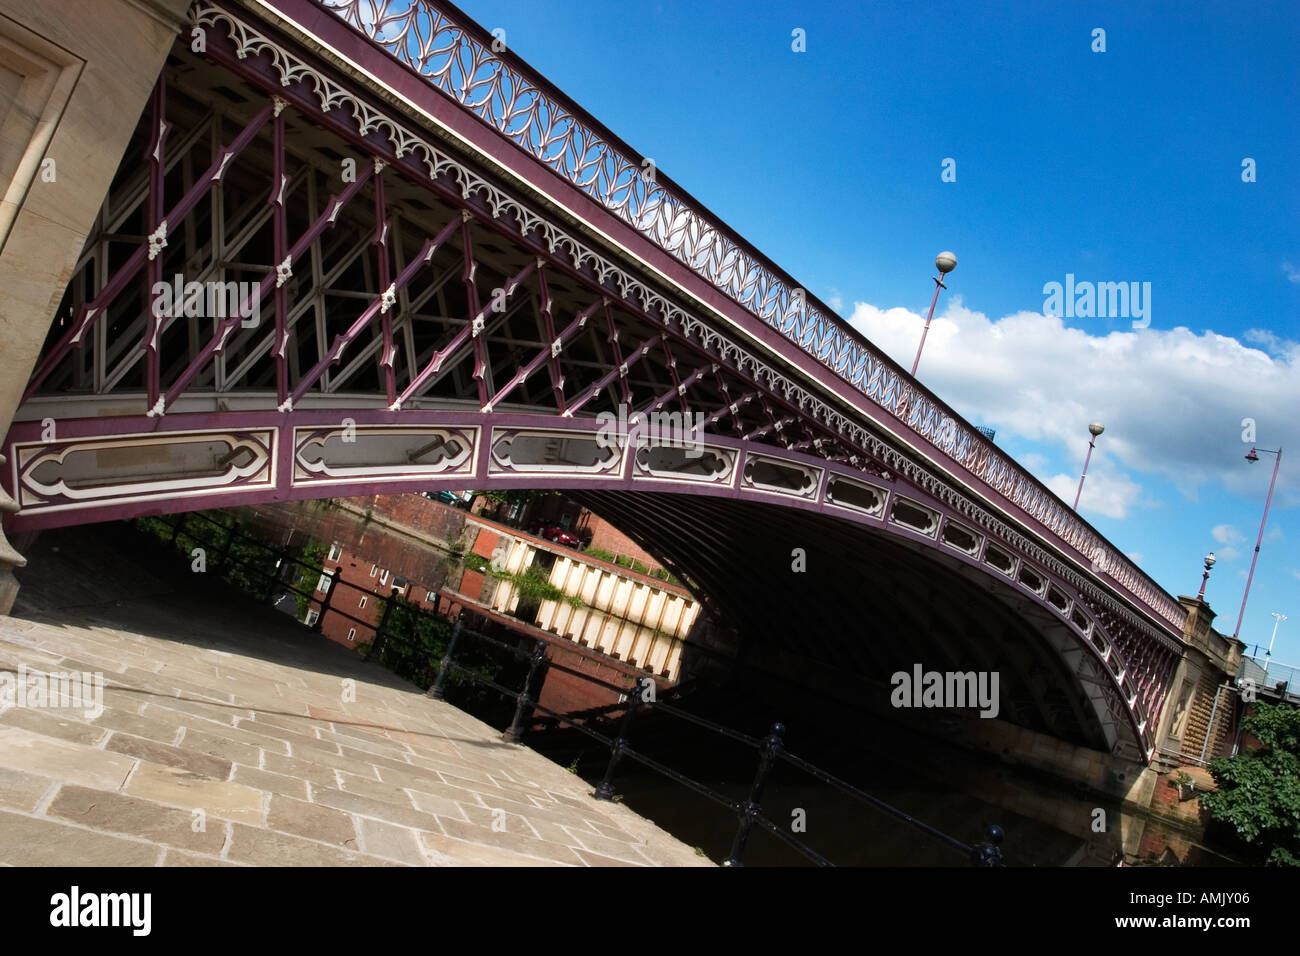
(945, 262)
(1252, 457)
(1209, 563)
(1095, 429)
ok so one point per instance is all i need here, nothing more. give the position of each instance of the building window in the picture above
(400, 584)
(362, 602)
(336, 551)
(352, 633)
(431, 597)
(312, 617)
(374, 569)
(383, 578)
(324, 583)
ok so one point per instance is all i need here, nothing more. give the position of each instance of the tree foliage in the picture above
(1259, 790)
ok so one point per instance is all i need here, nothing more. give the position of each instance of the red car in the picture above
(560, 536)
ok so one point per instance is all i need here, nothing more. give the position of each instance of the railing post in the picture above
(329, 597)
(605, 790)
(749, 810)
(989, 852)
(436, 691)
(225, 550)
(516, 732)
(276, 579)
(381, 635)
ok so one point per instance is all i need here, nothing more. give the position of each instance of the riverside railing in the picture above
(769, 750)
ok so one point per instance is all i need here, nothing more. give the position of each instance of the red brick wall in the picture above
(486, 542)
(567, 694)
(355, 582)
(608, 538)
(433, 518)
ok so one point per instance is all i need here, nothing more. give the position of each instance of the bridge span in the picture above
(351, 247)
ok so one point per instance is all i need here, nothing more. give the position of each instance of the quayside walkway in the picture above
(230, 735)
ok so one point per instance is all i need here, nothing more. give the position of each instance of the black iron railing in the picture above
(770, 750)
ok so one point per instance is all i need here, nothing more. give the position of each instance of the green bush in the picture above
(1259, 790)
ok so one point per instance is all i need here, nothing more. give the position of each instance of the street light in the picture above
(1095, 429)
(1209, 563)
(1251, 456)
(1277, 619)
(945, 262)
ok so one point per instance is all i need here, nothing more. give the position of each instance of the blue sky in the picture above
(1115, 166)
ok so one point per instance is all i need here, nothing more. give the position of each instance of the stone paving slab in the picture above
(229, 735)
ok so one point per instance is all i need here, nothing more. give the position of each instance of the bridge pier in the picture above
(73, 80)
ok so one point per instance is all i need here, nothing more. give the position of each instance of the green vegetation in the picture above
(533, 583)
(314, 556)
(248, 561)
(413, 645)
(1259, 790)
(623, 561)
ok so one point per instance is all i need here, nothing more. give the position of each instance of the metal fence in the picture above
(769, 751)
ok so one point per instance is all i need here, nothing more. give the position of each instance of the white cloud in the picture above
(1172, 400)
(1134, 556)
(1291, 272)
(1105, 492)
(1227, 534)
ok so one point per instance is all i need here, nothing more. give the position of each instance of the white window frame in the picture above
(383, 577)
(352, 633)
(362, 601)
(324, 583)
(336, 551)
(312, 617)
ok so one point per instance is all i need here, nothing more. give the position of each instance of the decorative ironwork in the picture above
(458, 59)
(811, 452)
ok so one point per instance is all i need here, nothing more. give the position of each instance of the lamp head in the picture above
(1251, 456)
(945, 262)
(1209, 561)
(1096, 428)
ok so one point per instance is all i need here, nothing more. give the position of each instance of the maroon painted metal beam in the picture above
(279, 275)
(148, 250)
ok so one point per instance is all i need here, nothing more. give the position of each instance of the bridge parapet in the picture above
(466, 63)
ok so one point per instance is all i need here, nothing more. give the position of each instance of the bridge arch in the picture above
(436, 318)
(724, 511)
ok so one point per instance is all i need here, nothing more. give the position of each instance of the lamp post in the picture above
(945, 262)
(1277, 619)
(1095, 429)
(1209, 563)
(1252, 457)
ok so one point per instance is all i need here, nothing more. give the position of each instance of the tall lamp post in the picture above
(1095, 429)
(1277, 619)
(1252, 456)
(1209, 563)
(945, 262)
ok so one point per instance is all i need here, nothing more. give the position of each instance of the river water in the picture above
(846, 830)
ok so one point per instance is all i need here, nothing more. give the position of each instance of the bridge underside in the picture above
(858, 606)
(405, 323)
